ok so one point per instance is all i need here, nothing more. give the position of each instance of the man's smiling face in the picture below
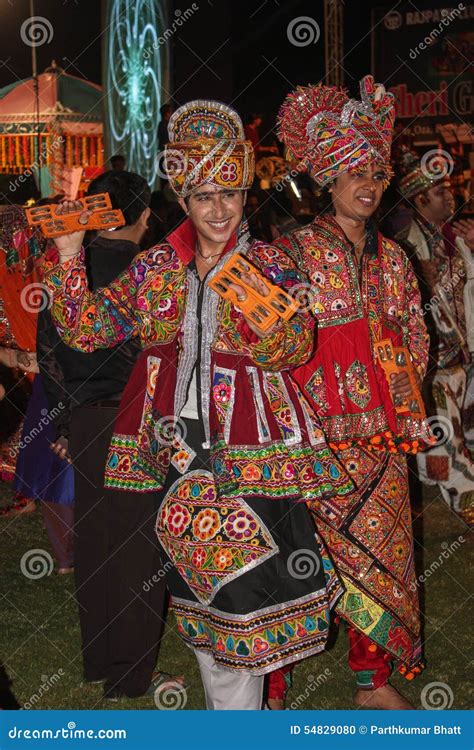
(358, 195)
(215, 212)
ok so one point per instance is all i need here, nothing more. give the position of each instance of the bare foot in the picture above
(276, 704)
(65, 571)
(386, 697)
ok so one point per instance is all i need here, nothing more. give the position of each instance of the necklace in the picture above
(362, 239)
(207, 259)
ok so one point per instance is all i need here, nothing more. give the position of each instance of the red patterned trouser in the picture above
(371, 664)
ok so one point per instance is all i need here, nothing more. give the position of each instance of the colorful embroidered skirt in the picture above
(248, 578)
(371, 542)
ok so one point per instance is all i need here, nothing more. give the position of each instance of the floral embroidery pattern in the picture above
(210, 546)
(241, 525)
(223, 559)
(74, 283)
(178, 519)
(223, 394)
(206, 524)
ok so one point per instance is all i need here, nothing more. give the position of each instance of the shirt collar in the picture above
(183, 240)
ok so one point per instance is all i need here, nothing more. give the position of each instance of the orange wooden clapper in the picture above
(397, 359)
(263, 311)
(103, 216)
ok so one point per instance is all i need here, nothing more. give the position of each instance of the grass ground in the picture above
(39, 632)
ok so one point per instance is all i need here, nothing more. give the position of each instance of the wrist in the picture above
(64, 257)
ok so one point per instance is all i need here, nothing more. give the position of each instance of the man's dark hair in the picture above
(117, 159)
(166, 108)
(128, 191)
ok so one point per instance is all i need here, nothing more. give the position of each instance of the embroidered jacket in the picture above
(264, 439)
(444, 305)
(343, 380)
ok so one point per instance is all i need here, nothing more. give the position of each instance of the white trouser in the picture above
(227, 690)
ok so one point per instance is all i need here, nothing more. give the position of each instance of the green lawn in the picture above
(39, 634)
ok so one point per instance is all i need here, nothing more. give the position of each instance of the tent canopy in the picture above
(71, 98)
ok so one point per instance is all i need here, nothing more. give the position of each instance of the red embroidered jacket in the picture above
(346, 385)
(264, 439)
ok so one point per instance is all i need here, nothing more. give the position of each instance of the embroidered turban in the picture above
(207, 145)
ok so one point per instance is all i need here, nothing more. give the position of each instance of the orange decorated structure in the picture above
(50, 125)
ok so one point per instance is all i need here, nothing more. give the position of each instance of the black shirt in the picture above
(76, 378)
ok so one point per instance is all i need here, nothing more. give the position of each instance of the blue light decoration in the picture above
(135, 72)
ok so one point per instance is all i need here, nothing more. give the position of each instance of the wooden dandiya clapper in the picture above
(52, 224)
(264, 311)
(397, 359)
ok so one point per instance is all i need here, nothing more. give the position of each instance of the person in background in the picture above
(117, 162)
(252, 132)
(157, 228)
(268, 145)
(37, 474)
(165, 113)
(14, 395)
(45, 477)
(257, 217)
(464, 231)
(442, 263)
(280, 207)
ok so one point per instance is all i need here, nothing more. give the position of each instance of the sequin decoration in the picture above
(357, 384)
